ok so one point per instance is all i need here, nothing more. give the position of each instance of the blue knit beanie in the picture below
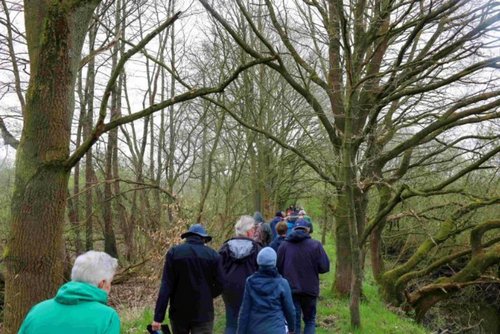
(267, 257)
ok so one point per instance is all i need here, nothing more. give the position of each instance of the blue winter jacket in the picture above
(301, 260)
(267, 303)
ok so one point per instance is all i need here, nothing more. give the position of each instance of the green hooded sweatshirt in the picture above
(78, 308)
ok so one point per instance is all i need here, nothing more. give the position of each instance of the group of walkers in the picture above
(268, 285)
(267, 274)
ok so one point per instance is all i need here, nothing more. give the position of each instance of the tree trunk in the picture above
(326, 216)
(171, 143)
(87, 128)
(376, 258)
(74, 203)
(74, 219)
(343, 267)
(423, 299)
(112, 152)
(209, 163)
(34, 255)
(353, 212)
(109, 233)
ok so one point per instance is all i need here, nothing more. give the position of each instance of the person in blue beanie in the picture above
(301, 260)
(267, 306)
(192, 278)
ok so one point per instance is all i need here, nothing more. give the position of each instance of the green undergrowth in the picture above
(332, 312)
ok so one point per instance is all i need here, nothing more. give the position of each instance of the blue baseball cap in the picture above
(302, 224)
(197, 229)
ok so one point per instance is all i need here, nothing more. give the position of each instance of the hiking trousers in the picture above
(305, 308)
(180, 327)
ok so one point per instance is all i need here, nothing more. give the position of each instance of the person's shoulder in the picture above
(315, 242)
(286, 242)
(172, 249)
(105, 310)
(113, 313)
(225, 244)
(110, 316)
(252, 278)
(283, 281)
(212, 252)
(42, 307)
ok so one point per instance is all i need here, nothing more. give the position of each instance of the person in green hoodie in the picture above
(80, 306)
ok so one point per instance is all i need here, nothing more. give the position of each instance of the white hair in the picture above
(92, 267)
(243, 225)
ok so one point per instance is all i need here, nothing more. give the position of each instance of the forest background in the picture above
(130, 119)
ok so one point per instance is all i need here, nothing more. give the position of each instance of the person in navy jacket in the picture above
(301, 260)
(267, 306)
(191, 279)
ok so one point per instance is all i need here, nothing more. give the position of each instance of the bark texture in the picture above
(34, 255)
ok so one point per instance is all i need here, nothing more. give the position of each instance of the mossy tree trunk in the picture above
(482, 258)
(349, 179)
(343, 263)
(392, 288)
(376, 258)
(394, 281)
(423, 299)
(34, 255)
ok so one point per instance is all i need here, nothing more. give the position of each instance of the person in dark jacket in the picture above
(238, 260)
(267, 305)
(301, 260)
(263, 233)
(281, 229)
(191, 279)
(277, 218)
